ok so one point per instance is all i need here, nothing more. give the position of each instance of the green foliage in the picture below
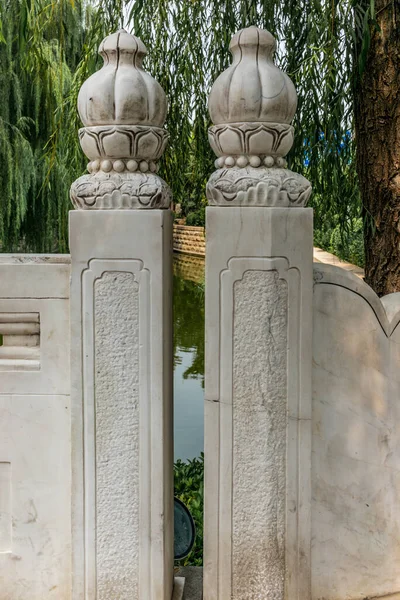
(349, 244)
(316, 49)
(37, 59)
(189, 487)
(197, 218)
(47, 49)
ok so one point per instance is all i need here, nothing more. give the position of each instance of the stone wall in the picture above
(189, 240)
(189, 266)
(356, 439)
(35, 424)
(355, 505)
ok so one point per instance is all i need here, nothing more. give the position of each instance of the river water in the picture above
(188, 356)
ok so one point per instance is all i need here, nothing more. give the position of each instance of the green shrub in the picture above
(322, 238)
(189, 488)
(348, 244)
(197, 218)
(345, 242)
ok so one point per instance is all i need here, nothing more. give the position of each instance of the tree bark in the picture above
(377, 126)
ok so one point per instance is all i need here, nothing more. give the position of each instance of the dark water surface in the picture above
(188, 356)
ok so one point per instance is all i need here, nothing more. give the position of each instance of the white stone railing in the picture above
(302, 450)
(35, 427)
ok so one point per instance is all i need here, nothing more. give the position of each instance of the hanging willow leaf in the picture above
(47, 50)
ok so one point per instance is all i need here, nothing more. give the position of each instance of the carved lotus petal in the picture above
(231, 140)
(151, 143)
(129, 141)
(235, 139)
(115, 143)
(90, 144)
(260, 141)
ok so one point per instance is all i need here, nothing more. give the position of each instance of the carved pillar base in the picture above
(123, 165)
(257, 186)
(102, 191)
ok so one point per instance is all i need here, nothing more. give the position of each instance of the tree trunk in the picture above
(377, 126)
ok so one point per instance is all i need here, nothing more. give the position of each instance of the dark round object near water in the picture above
(184, 530)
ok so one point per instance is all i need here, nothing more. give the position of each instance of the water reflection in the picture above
(188, 356)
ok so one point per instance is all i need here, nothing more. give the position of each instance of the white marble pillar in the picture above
(121, 337)
(258, 338)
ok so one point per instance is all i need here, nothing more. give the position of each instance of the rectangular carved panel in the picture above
(259, 436)
(116, 331)
(20, 341)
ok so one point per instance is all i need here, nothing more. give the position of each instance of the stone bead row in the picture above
(120, 165)
(252, 161)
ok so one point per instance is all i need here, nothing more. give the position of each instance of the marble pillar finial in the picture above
(252, 104)
(123, 110)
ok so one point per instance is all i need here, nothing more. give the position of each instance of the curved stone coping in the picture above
(51, 259)
(386, 309)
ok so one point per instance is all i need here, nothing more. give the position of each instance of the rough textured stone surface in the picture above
(117, 435)
(259, 436)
